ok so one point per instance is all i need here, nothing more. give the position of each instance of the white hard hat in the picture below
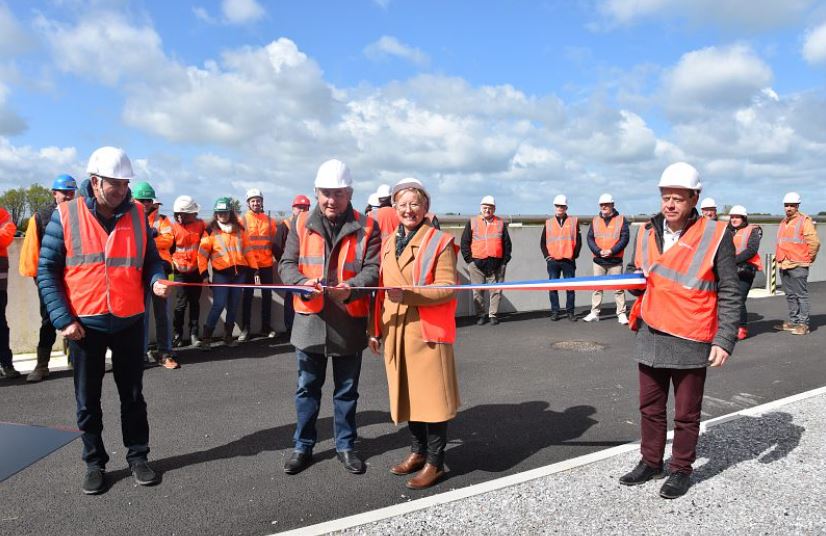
(708, 202)
(738, 210)
(185, 204)
(373, 200)
(791, 197)
(383, 190)
(561, 200)
(254, 192)
(681, 175)
(606, 198)
(488, 200)
(333, 174)
(110, 162)
(410, 182)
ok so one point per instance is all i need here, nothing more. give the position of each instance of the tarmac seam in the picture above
(526, 476)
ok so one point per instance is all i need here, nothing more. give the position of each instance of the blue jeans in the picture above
(266, 275)
(163, 335)
(88, 355)
(225, 298)
(566, 269)
(312, 369)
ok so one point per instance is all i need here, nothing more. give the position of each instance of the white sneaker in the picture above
(592, 317)
(245, 334)
(622, 319)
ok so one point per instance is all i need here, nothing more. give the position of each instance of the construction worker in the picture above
(7, 230)
(607, 239)
(797, 247)
(685, 321)
(93, 286)
(385, 214)
(228, 249)
(560, 243)
(261, 230)
(746, 247)
(383, 194)
(486, 248)
(63, 189)
(301, 203)
(188, 230)
(161, 229)
(708, 207)
(372, 203)
(331, 248)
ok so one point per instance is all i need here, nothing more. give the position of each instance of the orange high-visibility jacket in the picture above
(388, 220)
(30, 250)
(681, 293)
(225, 251)
(486, 238)
(605, 235)
(103, 272)
(187, 239)
(261, 231)
(165, 238)
(312, 262)
(561, 240)
(7, 230)
(741, 240)
(790, 242)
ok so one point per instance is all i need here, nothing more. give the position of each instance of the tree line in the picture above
(21, 203)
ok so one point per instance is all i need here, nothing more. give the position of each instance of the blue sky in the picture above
(522, 100)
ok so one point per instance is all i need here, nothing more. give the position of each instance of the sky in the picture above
(516, 99)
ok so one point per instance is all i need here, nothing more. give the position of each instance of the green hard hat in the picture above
(142, 190)
(223, 204)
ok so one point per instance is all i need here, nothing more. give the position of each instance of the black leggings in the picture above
(429, 438)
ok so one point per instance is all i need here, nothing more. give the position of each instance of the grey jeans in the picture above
(478, 277)
(795, 287)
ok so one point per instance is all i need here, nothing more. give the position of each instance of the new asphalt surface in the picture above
(222, 425)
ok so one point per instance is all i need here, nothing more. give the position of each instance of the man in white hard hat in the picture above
(708, 207)
(188, 230)
(331, 248)
(685, 321)
(98, 305)
(383, 195)
(372, 203)
(486, 248)
(301, 203)
(560, 244)
(607, 239)
(261, 230)
(747, 257)
(796, 250)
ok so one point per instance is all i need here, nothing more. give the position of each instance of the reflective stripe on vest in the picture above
(741, 241)
(162, 226)
(261, 235)
(681, 295)
(486, 238)
(790, 242)
(187, 240)
(561, 240)
(607, 235)
(95, 258)
(227, 254)
(438, 322)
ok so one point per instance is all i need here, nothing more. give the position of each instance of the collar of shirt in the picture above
(669, 237)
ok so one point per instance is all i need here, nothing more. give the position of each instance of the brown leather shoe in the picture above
(411, 464)
(428, 476)
(785, 326)
(801, 329)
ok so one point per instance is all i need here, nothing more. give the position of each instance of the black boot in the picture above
(229, 342)
(205, 343)
(41, 370)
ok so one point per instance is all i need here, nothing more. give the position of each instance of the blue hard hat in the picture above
(64, 182)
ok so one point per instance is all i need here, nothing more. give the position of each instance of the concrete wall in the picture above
(23, 314)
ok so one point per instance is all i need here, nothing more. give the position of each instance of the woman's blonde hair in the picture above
(423, 197)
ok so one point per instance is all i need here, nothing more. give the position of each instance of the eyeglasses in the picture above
(409, 206)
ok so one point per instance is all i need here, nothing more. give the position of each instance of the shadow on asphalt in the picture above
(767, 326)
(767, 439)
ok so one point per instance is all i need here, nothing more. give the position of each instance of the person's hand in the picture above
(375, 345)
(717, 357)
(316, 289)
(340, 292)
(605, 253)
(395, 295)
(73, 332)
(160, 288)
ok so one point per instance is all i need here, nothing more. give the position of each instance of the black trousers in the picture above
(48, 335)
(187, 297)
(5, 350)
(429, 438)
(746, 279)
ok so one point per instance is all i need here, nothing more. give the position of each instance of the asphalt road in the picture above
(221, 426)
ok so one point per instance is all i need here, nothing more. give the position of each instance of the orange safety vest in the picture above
(225, 250)
(165, 238)
(261, 234)
(681, 293)
(312, 262)
(388, 221)
(486, 240)
(741, 240)
(187, 239)
(30, 251)
(605, 235)
(790, 243)
(95, 259)
(561, 240)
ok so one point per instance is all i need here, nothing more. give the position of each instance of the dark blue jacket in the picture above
(53, 261)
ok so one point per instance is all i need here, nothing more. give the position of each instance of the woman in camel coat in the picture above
(421, 375)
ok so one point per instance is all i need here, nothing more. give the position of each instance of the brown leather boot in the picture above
(411, 464)
(41, 370)
(428, 476)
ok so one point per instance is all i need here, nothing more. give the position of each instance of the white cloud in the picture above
(27, 165)
(814, 46)
(384, 4)
(626, 11)
(14, 39)
(242, 11)
(202, 14)
(390, 46)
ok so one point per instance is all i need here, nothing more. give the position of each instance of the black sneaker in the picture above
(640, 474)
(9, 372)
(482, 321)
(555, 316)
(298, 462)
(494, 321)
(177, 341)
(676, 486)
(572, 317)
(94, 483)
(144, 475)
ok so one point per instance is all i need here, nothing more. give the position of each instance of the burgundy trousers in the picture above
(688, 399)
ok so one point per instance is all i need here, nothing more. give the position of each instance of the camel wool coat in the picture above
(421, 376)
